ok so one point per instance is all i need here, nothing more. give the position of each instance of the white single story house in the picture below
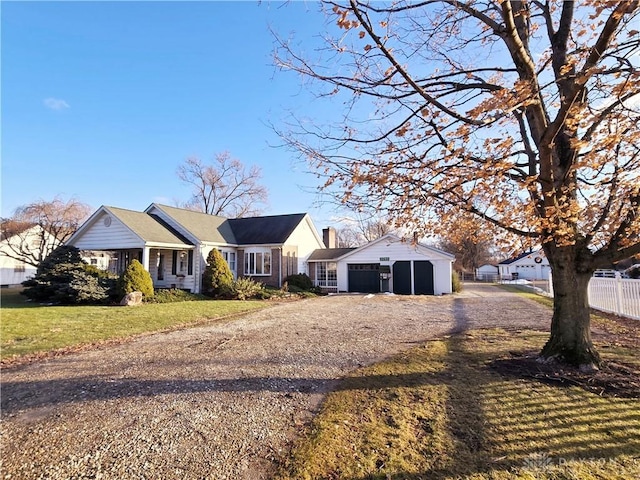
(18, 249)
(531, 265)
(173, 243)
(388, 264)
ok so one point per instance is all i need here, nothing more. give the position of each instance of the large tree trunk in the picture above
(570, 340)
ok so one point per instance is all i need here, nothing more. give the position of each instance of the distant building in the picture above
(527, 266)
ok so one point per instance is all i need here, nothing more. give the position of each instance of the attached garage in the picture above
(402, 277)
(364, 277)
(413, 276)
(423, 277)
(388, 264)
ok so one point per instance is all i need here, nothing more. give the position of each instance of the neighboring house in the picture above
(18, 249)
(101, 260)
(488, 272)
(527, 266)
(173, 243)
(388, 264)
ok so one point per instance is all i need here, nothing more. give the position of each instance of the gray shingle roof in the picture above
(328, 253)
(147, 227)
(271, 229)
(205, 227)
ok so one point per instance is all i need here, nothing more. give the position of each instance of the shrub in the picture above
(64, 254)
(300, 280)
(135, 279)
(83, 287)
(244, 288)
(456, 285)
(176, 295)
(217, 279)
(63, 278)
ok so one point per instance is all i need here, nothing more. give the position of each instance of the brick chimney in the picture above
(329, 237)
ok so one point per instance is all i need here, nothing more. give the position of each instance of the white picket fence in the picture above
(614, 295)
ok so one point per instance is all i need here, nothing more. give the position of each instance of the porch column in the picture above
(146, 251)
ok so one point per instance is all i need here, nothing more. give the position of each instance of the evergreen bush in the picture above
(300, 280)
(64, 278)
(136, 279)
(217, 279)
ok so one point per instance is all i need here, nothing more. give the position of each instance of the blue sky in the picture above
(103, 100)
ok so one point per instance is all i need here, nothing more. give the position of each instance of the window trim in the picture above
(250, 263)
(324, 280)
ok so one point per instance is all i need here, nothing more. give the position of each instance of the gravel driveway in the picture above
(219, 401)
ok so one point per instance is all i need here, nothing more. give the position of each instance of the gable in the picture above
(393, 246)
(111, 228)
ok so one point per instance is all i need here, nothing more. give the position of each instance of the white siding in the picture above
(306, 239)
(114, 237)
(29, 241)
(9, 276)
(441, 276)
(170, 280)
(399, 251)
(527, 268)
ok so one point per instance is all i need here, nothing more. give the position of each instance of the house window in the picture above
(19, 267)
(230, 258)
(183, 263)
(257, 263)
(160, 266)
(327, 274)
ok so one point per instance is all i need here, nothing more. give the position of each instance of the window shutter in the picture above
(174, 262)
(190, 263)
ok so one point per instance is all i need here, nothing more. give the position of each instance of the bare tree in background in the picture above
(361, 230)
(225, 187)
(523, 113)
(57, 221)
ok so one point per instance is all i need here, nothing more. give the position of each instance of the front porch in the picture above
(168, 267)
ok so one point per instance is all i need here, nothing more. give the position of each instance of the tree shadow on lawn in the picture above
(497, 423)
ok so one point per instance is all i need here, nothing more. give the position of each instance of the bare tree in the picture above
(472, 243)
(361, 229)
(523, 113)
(223, 188)
(36, 229)
(347, 237)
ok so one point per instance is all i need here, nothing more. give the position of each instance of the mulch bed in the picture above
(614, 379)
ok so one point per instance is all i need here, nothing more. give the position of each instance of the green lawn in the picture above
(440, 412)
(27, 328)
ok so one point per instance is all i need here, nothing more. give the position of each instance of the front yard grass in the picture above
(28, 328)
(442, 411)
